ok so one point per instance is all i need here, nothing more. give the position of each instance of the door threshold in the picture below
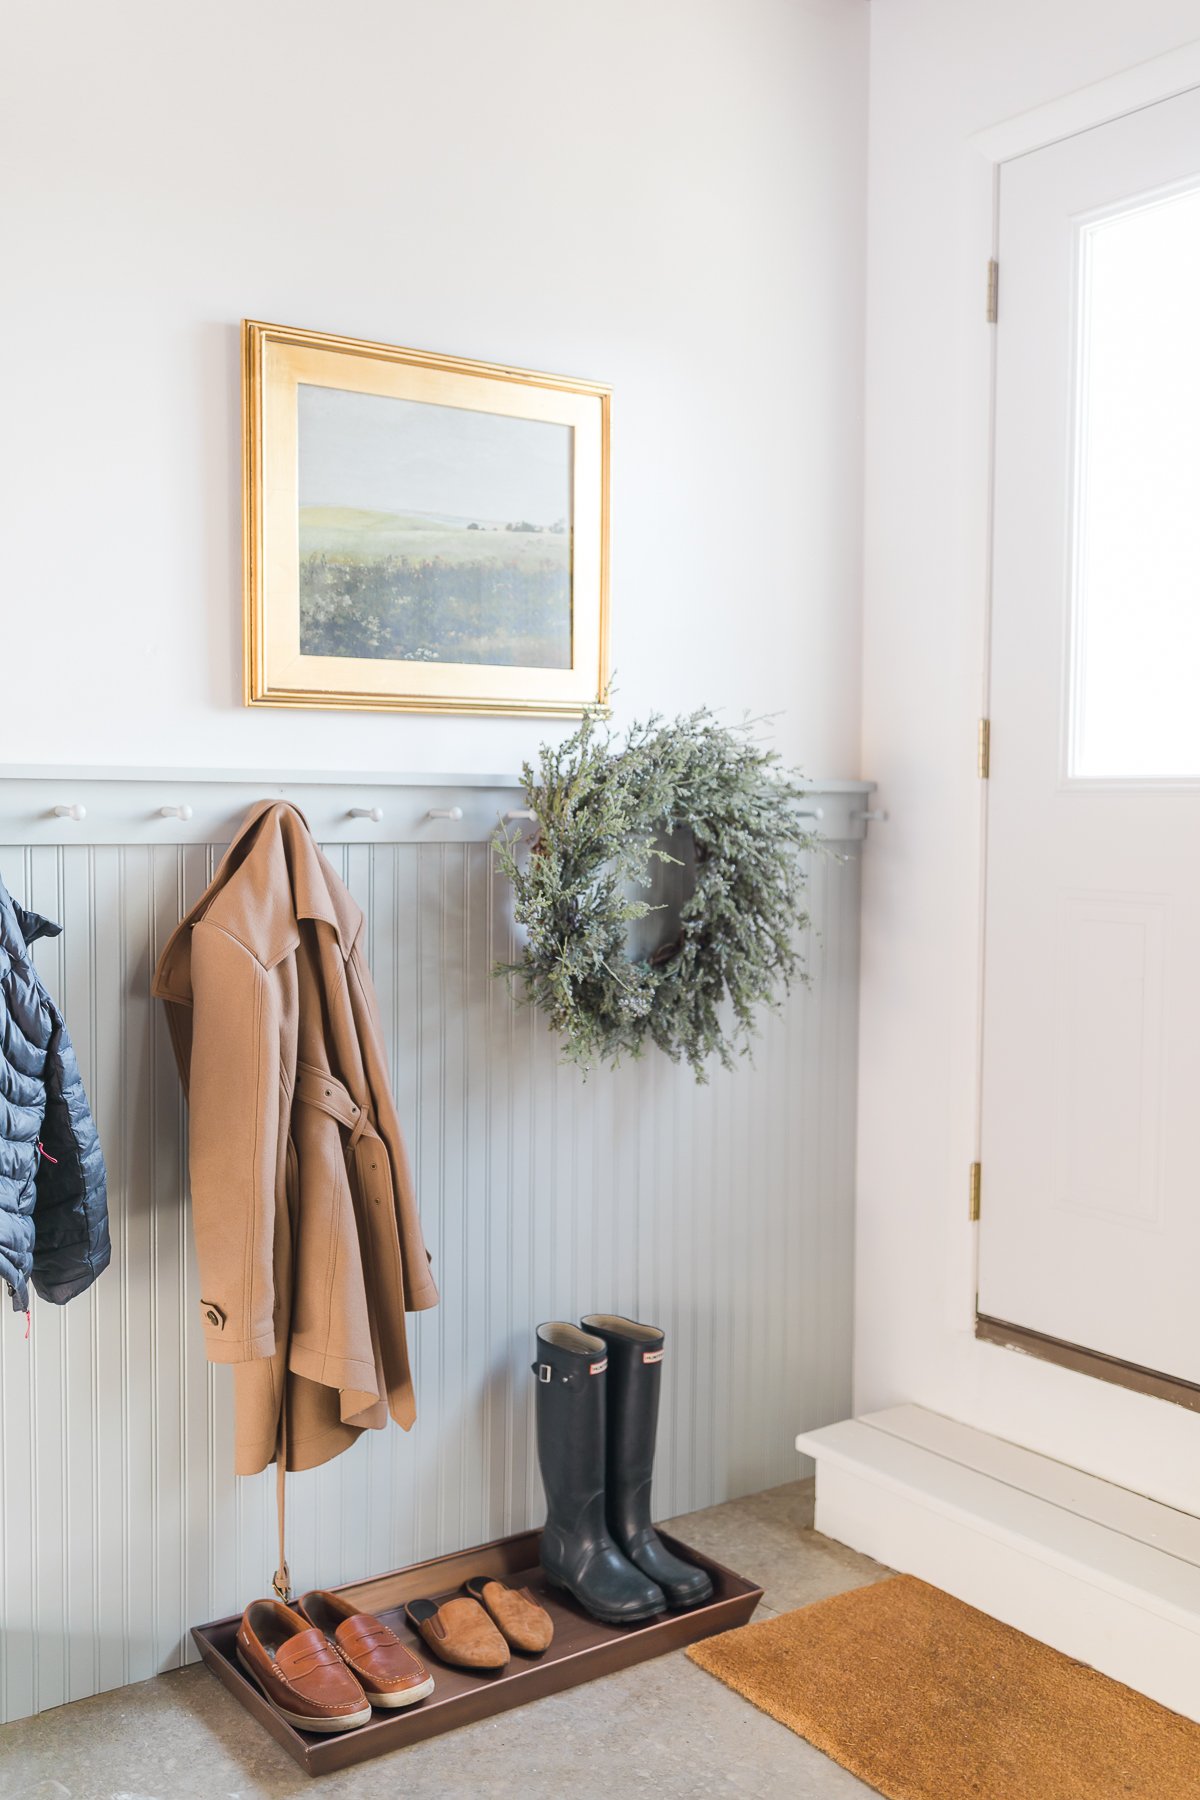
(1089, 1362)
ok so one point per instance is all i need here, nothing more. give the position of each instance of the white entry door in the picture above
(1090, 1217)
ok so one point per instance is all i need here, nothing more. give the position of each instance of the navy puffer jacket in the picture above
(53, 1198)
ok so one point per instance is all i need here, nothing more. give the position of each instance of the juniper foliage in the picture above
(603, 812)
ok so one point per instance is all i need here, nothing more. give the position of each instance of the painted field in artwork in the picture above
(426, 588)
(432, 533)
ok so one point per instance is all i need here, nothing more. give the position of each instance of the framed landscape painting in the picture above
(421, 531)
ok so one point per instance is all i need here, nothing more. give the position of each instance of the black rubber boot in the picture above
(635, 1354)
(577, 1552)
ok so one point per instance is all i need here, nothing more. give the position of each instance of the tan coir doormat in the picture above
(927, 1699)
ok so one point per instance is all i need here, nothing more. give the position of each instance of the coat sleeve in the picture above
(71, 1244)
(233, 1098)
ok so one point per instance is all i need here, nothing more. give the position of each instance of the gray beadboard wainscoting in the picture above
(722, 1213)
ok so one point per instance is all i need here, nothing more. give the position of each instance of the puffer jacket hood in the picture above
(53, 1195)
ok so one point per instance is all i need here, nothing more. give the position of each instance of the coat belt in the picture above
(313, 1088)
(329, 1095)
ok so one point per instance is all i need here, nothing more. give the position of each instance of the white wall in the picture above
(663, 194)
(942, 70)
(668, 195)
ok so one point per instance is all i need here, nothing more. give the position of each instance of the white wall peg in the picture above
(374, 813)
(811, 812)
(75, 812)
(183, 812)
(519, 812)
(445, 812)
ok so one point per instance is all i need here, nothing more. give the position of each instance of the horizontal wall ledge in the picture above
(189, 806)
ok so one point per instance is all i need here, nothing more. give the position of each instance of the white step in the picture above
(1099, 1572)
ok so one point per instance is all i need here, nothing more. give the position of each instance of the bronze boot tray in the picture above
(582, 1648)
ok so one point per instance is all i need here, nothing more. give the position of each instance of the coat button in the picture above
(211, 1316)
(212, 1313)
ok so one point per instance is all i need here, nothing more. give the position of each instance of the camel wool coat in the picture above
(307, 1235)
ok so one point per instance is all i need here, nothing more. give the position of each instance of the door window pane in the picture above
(1135, 688)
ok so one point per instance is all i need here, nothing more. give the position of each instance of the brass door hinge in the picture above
(984, 761)
(993, 291)
(973, 1206)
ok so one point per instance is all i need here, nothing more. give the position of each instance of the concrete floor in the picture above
(664, 1729)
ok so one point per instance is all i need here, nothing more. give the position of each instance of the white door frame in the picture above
(1145, 84)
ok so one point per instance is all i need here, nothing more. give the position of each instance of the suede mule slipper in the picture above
(459, 1632)
(526, 1624)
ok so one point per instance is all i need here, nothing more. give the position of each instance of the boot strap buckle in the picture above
(544, 1372)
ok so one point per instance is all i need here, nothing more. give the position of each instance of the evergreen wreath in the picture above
(602, 815)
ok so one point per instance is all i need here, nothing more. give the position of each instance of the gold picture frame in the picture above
(404, 547)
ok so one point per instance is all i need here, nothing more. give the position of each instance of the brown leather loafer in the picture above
(460, 1632)
(525, 1624)
(299, 1670)
(390, 1675)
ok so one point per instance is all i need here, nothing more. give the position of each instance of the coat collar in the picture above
(30, 925)
(280, 831)
(272, 876)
